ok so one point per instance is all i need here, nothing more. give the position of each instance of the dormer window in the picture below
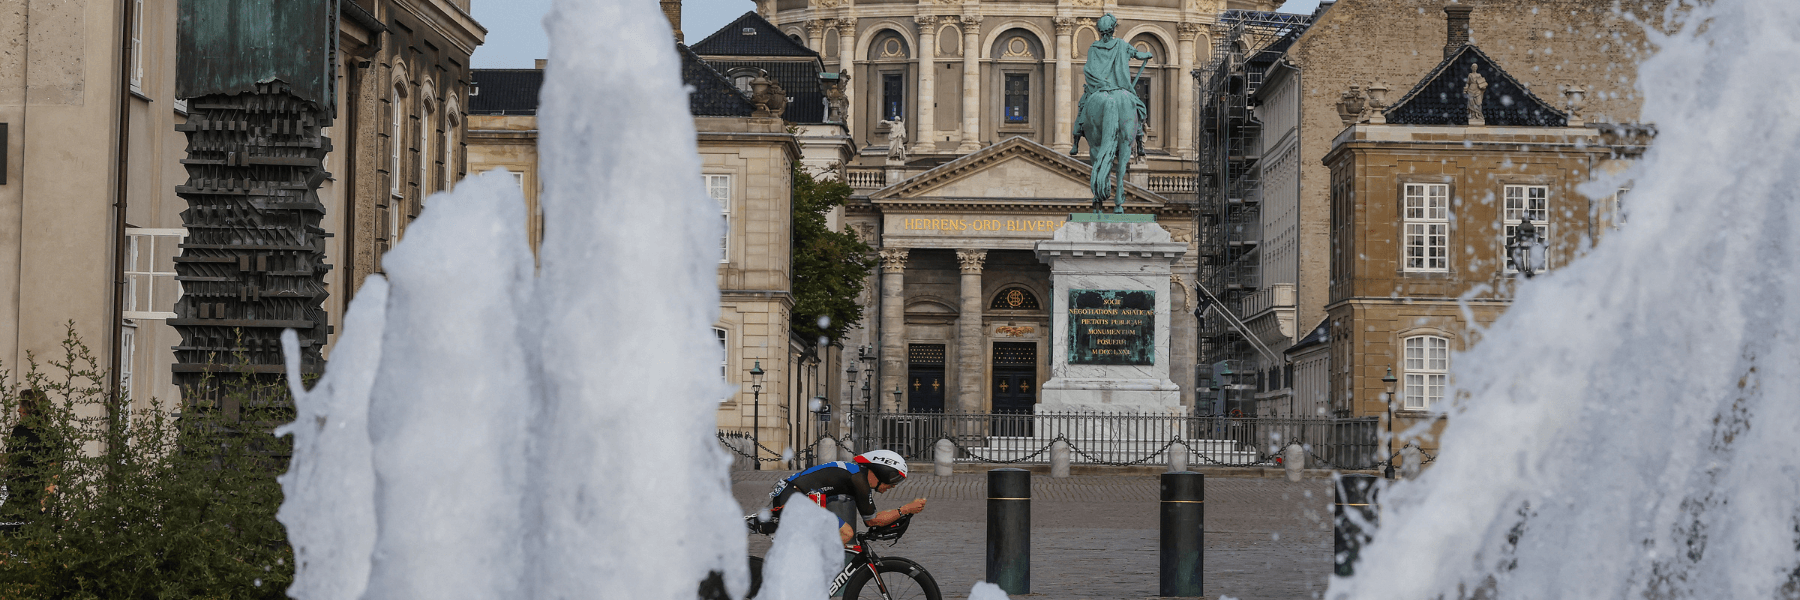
(749, 31)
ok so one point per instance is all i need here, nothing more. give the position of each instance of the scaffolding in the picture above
(1228, 224)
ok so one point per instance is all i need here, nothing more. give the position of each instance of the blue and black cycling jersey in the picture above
(841, 478)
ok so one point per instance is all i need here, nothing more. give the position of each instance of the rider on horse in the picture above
(1110, 113)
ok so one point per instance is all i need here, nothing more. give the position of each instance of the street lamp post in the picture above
(756, 382)
(1389, 381)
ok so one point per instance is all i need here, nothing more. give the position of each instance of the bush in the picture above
(145, 504)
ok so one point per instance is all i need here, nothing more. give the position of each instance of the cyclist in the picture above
(861, 478)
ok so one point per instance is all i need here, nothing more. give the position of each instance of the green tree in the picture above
(144, 504)
(829, 266)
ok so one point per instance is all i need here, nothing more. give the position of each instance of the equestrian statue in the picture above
(1111, 115)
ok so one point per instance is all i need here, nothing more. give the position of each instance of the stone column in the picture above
(846, 28)
(1184, 102)
(969, 355)
(971, 101)
(815, 35)
(1065, 88)
(926, 121)
(893, 323)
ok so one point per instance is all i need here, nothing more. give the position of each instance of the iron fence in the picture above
(1120, 439)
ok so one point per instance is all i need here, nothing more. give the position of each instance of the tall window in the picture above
(1525, 202)
(1018, 97)
(427, 128)
(724, 353)
(396, 136)
(151, 289)
(1427, 366)
(719, 187)
(1427, 227)
(1143, 94)
(893, 96)
(137, 46)
(452, 126)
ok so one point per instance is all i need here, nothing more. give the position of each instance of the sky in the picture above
(516, 30)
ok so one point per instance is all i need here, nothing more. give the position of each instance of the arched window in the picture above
(427, 131)
(397, 131)
(1014, 298)
(1427, 367)
(452, 127)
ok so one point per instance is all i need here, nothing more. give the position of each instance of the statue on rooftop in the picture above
(1111, 114)
(1476, 93)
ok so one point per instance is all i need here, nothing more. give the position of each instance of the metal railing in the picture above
(1121, 439)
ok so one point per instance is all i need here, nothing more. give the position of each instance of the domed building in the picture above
(961, 76)
(960, 118)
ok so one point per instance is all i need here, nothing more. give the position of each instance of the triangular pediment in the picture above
(1017, 171)
(1439, 99)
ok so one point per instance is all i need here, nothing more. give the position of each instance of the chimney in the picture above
(672, 10)
(1457, 19)
(540, 64)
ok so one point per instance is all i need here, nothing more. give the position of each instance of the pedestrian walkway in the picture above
(1097, 536)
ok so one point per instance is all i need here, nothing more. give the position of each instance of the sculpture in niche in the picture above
(896, 139)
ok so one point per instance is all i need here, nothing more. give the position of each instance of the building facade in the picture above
(93, 160)
(1352, 57)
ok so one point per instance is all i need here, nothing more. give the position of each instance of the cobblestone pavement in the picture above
(1096, 536)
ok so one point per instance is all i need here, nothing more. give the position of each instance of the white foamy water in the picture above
(487, 431)
(1642, 401)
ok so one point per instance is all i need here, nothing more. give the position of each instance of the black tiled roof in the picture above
(800, 78)
(1319, 336)
(713, 95)
(751, 35)
(1439, 99)
(505, 91)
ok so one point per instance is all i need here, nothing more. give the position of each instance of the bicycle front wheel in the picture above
(903, 579)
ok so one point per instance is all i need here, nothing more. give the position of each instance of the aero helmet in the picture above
(887, 465)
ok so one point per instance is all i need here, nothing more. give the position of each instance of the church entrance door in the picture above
(1015, 387)
(925, 383)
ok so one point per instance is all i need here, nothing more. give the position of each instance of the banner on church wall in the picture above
(1112, 327)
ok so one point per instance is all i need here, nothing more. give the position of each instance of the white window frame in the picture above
(135, 246)
(396, 138)
(137, 46)
(451, 124)
(425, 157)
(127, 357)
(1515, 205)
(1425, 371)
(718, 187)
(1425, 222)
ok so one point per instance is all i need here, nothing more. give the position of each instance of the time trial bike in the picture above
(870, 576)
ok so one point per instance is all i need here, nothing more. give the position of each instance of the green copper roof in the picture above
(229, 46)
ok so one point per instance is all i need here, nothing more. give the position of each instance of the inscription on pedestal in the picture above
(1112, 327)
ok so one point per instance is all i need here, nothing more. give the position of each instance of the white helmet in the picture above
(887, 465)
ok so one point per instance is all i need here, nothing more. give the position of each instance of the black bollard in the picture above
(1183, 534)
(1009, 530)
(1355, 495)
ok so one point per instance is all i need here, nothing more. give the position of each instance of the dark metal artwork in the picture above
(253, 263)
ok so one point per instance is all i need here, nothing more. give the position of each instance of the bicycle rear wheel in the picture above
(904, 579)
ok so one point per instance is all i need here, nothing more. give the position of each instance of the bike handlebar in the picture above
(891, 531)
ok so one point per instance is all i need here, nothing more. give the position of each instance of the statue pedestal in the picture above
(1110, 316)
